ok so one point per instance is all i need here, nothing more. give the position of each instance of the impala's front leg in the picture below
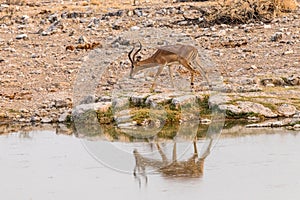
(160, 69)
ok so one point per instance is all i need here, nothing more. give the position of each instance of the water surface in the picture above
(44, 165)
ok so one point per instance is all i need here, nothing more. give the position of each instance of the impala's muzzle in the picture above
(131, 72)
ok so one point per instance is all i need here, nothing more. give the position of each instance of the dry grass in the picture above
(15, 2)
(245, 11)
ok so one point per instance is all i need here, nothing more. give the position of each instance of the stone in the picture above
(130, 13)
(123, 119)
(178, 102)
(161, 98)
(35, 119)
(3, 115)
(22, 36)
(276, 37)
(139, 99)
(218, 99)
(287, 110)
(81, 109)
(297, 115)
(60, 104)
(135, 28)
(293, 80)
(63, 117)
(82, 40)
(46, 120)
(280, 123)
(138, 12)
(105, 99)
(296, 127)
(288, 52)
(94, 22)
(205, 121)
(244, 107)
(120, 103)
(53, 28)
(129, 125)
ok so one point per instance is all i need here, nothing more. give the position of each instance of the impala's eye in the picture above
(138, 58)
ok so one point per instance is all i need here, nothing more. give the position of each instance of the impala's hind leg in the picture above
(171, 77)
(192, 82)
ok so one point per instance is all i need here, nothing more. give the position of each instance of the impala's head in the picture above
(134, 59)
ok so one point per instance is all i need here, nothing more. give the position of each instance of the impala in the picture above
(193, 167)
(186, 55)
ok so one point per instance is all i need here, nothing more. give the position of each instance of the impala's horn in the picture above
(129, 56)
(133, 57)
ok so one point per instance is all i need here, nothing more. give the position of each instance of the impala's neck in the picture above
(143, 64)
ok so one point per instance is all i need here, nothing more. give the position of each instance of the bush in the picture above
(246, 11)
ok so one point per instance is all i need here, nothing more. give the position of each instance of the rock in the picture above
(81, 109)
(138, 12)
(129, 125)
(22, 36)
(53, 18)
(25, 17)
(24, 110)
(130, 13)
(46, 120)
(288, 52)
(218, 99)
(244, 107)
(222, 33)
(296, 127)
(280, 123)
(205, 121)
(135, 28)
(60, 104)
(105, 99)
(186, 100)
(88, 99)
(252, 67)
(122, 116)
(293, 80)
(253, 118)
(192, 14)
(139, 99)
(162, 98)
(271, 82)
(287, 110)
(267, 26)
(120, 103)
(53, 28)
(2, 115)
(94, 22)
(276, 37)
(63, 117)
(296, 115)
(82, 40)
(35, 119)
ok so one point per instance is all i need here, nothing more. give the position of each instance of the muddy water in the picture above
(43, 165)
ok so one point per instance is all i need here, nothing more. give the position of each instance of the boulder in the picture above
(287, 110)
(244, 107)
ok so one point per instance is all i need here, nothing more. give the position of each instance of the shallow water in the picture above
(44, 165)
